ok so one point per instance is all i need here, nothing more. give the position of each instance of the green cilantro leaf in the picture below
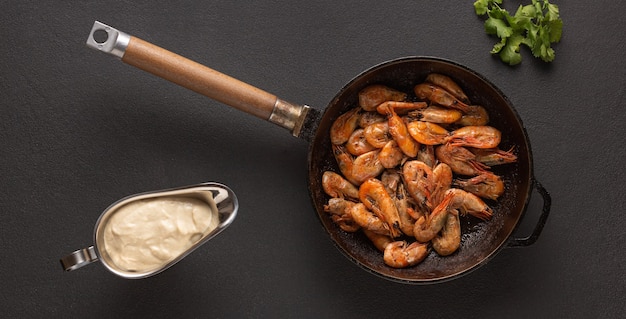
(510, 52)
(536, 25)
(498, 27)
(526, 11)
(556, 28)
(553, 12)
(482, 6)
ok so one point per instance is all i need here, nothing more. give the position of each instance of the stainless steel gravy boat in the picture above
(221, 199)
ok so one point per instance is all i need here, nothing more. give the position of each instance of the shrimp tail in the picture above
(483, 215)
(413, 213)
(462, 141)
(478, 166)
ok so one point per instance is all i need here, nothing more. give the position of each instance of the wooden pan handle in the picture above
(197, 77)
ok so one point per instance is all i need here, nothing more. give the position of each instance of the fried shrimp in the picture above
(494, 156)
(449, 240)
(486, 185)
(428, 133)
(357, 143)
(447, 84)
(468, 203)
(460, 160)
(439, 96)
(373, 95)
(379, 241)
(475, 136)
(338, 187)
(400, 107)
(418, 178)
(475, 115)
(400, 134)
(412, 166)
(357, 170)
(377, 134)
(375, 197)
(343, 126)
(339, 210)
(368, 220)
(400, 254)
(436, 114)
(427, 227)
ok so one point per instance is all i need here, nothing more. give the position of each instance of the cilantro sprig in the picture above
(536, 25)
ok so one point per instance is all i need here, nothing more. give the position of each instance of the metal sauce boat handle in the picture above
(79, 258)
(197, 77)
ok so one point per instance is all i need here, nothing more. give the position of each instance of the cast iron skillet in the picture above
(480, 241)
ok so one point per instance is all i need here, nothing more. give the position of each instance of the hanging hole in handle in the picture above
(534, 219)
(100, 36)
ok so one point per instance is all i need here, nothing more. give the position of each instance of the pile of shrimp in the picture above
(410, 166)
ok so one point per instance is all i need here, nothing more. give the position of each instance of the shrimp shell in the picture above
(400, 134)
(336, 186)
(368, 220)
(400, 254)
(344, 125)
(494, 156)
(442, 181)
(428, 133)
(339, 210)
(345, 161)
(448, 84)
(390, 155)
(400, 199)
(427, 227)
(379, 241)
(391, 179)
(436, 114)
(367, 166)
(475, 115)
(372, 96)
(357, 143)
(377, 134)
(400, 107)
(449, 239)
(418, 179)
(338, 206)
(475, 136)
(396, 189)
(369, 118)
(439, 96)
(359, 169)
(460, 160)
(486, 185)
(374, 195)
(426, 154)
(468, 203)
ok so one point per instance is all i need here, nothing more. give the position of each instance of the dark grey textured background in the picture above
(79, 130)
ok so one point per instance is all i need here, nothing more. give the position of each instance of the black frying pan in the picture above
(480, 241)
